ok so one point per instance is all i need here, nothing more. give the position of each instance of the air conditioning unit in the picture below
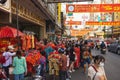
(3, 1)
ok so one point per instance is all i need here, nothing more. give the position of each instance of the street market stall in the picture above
(8, 37)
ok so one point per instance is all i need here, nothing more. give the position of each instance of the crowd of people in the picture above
(60, 59)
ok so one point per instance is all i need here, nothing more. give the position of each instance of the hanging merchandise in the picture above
(33, 41)
(9, 32)
(23, 39)
(32, 60)
(28, 37)
(29, 40)
(8, 37)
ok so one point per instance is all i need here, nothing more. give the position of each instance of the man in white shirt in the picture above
(8, 56)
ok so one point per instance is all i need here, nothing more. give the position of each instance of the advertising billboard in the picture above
(77, 8)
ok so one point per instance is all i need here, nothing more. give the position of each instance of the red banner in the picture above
(93, 8)
(115, 23)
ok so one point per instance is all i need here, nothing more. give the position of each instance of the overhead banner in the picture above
(112, 23)
(115, 23)
(92, 8)
(73, 23)
(63, 1)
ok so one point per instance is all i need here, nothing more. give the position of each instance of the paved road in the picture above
(112, 67)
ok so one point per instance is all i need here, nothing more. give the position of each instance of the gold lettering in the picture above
(116, 8)
(107, 7)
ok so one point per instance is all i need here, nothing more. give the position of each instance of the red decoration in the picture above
(9, 32)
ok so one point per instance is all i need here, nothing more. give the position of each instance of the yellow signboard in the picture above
(59, 12)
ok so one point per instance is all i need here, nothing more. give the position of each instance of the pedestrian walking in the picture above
(77, 53)
(68, 75)
(63, 65)
(86, 58)
(20, 67)
(8, 56)
(72, 59)
(81, 53)
(96, 70)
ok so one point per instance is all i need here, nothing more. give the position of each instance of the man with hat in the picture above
(8, 56)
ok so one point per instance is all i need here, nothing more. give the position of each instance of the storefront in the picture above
(29, 19)
(50, 30)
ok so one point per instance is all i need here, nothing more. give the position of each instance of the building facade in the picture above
(34, 16)
(116, 29)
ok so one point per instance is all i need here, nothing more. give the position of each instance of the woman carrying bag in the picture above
(20, 67)
(96, 71)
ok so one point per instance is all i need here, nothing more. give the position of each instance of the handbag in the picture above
(95, 71)
(2, 74)
(11, 70)
(3, 59)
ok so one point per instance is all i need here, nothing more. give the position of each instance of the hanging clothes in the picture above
(23, 39)
(28, 37)
(33, 44)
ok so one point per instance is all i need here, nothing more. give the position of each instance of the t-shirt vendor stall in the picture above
(8, 36)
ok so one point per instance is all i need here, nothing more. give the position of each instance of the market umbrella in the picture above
(7, 31)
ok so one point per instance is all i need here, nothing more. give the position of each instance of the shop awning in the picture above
(8, 31)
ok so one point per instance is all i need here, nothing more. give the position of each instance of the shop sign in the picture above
(59, 12)
(73, 22)
(27, 14)
(92, 8)
(70, 14)
(78, 33)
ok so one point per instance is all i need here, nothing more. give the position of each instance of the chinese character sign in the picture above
(77, 8)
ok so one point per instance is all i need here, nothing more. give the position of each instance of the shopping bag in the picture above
(11, 70)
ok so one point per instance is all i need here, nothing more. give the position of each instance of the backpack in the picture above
(2, 59)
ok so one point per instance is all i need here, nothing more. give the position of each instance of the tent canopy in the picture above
(8, 31)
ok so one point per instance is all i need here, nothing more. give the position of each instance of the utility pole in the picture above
(112, 20)
(17, 24)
